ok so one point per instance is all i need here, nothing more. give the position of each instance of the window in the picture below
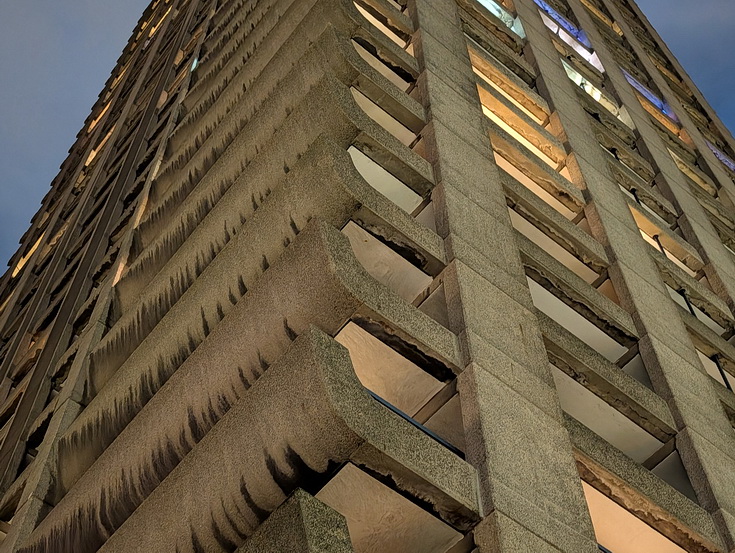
(513, 23)
(649, 95)
(605, 101)
(726, 160)
(565, 24)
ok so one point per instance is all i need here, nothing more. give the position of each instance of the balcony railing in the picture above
(459, 453)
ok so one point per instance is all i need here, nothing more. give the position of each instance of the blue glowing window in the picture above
(564, 23)
(648, 94)
(726, 160)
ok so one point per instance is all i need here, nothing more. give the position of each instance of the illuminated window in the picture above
(565, 24)
(23, 260)
(513, 23)
(605, 101)
(649, 95)
(726, 160)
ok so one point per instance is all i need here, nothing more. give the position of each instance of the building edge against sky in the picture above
(431, 276)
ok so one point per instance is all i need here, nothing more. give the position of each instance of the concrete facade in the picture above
(379, 276)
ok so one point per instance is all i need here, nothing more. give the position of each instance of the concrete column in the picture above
(699, 231)
(705, 439)
(529, 485)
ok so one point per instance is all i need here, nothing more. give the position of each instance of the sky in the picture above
(55, 57)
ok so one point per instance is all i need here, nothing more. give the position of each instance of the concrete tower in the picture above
(382, 276)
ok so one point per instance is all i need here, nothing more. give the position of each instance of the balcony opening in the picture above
(424, 396)
(713, 366)
(513, 23)
(695, 175)
(396, 75)
(635, 195)
(668, 467)
(600, 97)
(604, 420)
(570, 34)
(516, 135)
(386, 265)
(529, 183)
(553, 248)
(511, 93)
(608, 518)
(632, 364)
(384, 119)
(384, 182)
(665, 244)
(426, 215)
(433, 302)
(726, 160)
(651, 96)
(381, 520)
(561, 22)
(25, 258)
(382, 27)
(582, 328)
(682, 299)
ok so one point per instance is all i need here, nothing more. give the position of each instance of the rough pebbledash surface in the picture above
(378, 276)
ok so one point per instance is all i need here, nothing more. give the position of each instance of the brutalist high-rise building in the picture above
(382, 276)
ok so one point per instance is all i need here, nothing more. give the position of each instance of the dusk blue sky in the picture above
(56, 55)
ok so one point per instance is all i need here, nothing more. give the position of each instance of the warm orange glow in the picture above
(519, 137)
(620, 531)
(26, 257)
(507, 95)
(97, 119)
